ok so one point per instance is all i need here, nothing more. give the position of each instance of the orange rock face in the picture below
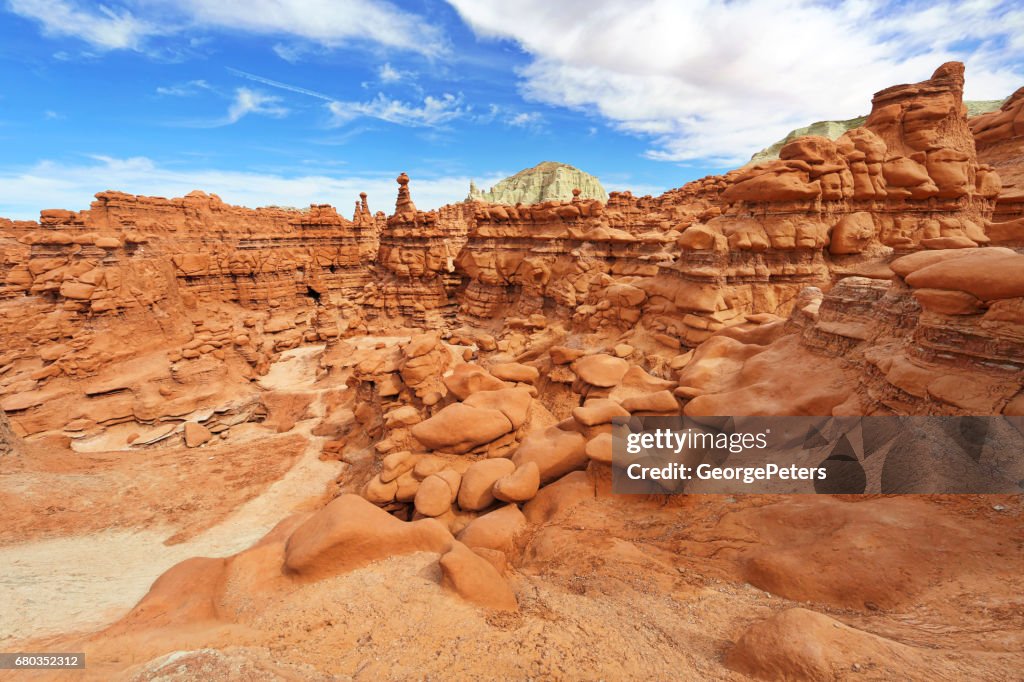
(394, 430)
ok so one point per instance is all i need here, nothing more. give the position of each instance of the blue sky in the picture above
(298, 101)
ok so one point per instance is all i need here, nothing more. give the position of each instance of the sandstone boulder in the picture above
(475, 579)
(984, 273)
(514, 403)
(603, 371)
(554, 451)
(476, 491)
(515, 371)
(498, 530)
(597, 411)
(519, 486)
(468, 379)
(459, 428)
(599, 448)
(660, 401)
(350, 532)
(434, 496)
(379, 492)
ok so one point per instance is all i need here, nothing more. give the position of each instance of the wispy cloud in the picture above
(50, 184)
(330, 23)
(102, 26)
(290, 52)
(193, 87)
(718, 80)
(494, 113)
(432, 112)
(530, 119)
(278, 84)
(388, 73)
(248, 101)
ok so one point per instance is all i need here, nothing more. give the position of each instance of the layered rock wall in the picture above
(198, 280)
(999, 136)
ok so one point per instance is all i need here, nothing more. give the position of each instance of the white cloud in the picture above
(102, 27)
(433, 112)
(329, 23)
(188, 89)
(389, 74)
(248, 101)
(63, 185)
(291, 53)
(532, 119)
(720, 80)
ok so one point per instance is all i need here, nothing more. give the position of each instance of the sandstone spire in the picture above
(404, 203)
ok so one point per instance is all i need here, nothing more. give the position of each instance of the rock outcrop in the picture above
(1000, 141)
(827, 129)
(547, 181)
(833, 129)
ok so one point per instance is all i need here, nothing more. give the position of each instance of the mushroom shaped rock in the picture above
(459, 428)
(350, 532)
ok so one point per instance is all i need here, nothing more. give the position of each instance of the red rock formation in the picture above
(856, 276)
(416, 257)
(1000, 140)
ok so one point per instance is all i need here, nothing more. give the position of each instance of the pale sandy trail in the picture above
(82, 582)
